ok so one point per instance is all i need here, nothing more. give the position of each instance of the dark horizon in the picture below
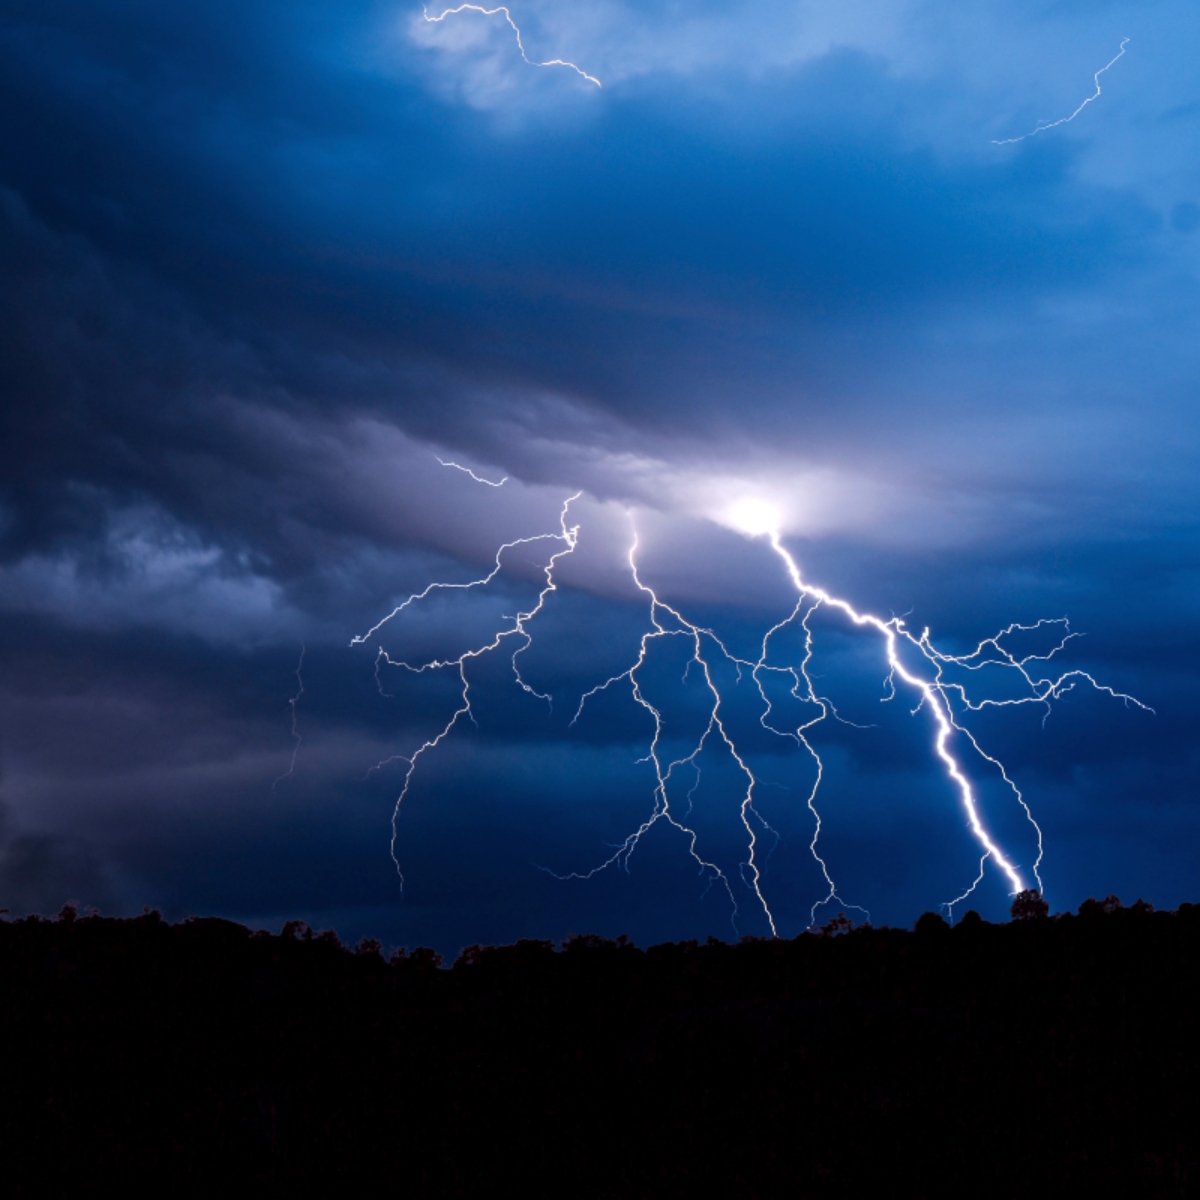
(1043, 1054)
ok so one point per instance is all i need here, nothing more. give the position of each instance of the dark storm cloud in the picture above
(257, 213)
(292, 199)
(39, 872)
(260, 265)
(213, 212)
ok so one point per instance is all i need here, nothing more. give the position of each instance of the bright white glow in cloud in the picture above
(754, 516)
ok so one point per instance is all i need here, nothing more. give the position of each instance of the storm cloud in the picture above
(262, 269)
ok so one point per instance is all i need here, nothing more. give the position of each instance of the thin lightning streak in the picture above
(468, 471)
(491, 12)
(359, 639)
(949, 904)
(1042, 127)
(802, 679)
(296, 738)
(569, 536)
(751, 874)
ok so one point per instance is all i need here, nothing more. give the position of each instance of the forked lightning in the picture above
(945, 701)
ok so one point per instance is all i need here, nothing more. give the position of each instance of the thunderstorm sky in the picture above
(262, 265)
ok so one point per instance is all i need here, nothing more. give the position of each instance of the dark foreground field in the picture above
(1045, 1055)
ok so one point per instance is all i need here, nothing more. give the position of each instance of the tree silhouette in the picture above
(824, 1065)
(1029, 905)
(1092, 907)
(931, 924)
(839, 925)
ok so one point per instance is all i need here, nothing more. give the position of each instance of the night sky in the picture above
(263, 265)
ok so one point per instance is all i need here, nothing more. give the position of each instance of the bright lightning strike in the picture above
(1043, 126)
(912, 662)
(491, 12)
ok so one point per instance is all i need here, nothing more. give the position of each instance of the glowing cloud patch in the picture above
(753, 516)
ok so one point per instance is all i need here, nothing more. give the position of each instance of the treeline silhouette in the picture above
(1046, 1054)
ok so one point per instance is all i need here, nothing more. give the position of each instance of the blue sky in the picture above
(261, 268)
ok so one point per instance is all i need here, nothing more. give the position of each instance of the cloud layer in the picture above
(262, 268)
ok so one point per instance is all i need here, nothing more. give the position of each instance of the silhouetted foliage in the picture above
(591, 943)
(369, 946)
(1100, 908)
(839, 925)
(423, 961)
(932, 924)
(1029, 905)
(143, 1056)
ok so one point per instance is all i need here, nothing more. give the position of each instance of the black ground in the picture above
(1048, 1055)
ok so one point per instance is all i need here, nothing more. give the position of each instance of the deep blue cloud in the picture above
(261, 266)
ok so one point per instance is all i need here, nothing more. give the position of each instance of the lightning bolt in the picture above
(913, 662)
(1042, 127)
(468, 471)
(934, 694)
(292, 702)
(491, 12)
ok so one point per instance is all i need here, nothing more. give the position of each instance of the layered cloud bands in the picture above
(261, 269)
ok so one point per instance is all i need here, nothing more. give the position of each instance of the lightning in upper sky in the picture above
(1043, 126)
(468, 471)
(910, 661)
(502, 9)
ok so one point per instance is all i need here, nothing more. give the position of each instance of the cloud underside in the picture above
(261, 270)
